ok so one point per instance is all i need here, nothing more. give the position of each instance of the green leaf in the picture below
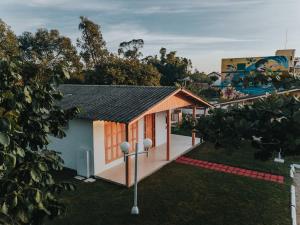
(21, 214)
(35, 175)
(37, 196)
(5, 124)
(43, 166)
(20, 152)
(4, 208)
(14, 201)
(27, 95)
(42, 207)
(297, 141)
(11, 160)
(4, 139)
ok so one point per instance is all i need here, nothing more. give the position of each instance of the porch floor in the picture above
(146, 166)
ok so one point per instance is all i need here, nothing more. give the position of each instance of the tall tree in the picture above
(28, 115)
(8, 41)
(92, 44)
(131, 49)
(46, 52)
(172, 67)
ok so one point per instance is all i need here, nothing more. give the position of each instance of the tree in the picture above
(124, 72)
(28, 115)
(46, 52)
(171, 67)
(91, 43)
(131, 49)
(200, 77)
(8, 41)
(271, 124)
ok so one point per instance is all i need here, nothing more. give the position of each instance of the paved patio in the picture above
(146, 166)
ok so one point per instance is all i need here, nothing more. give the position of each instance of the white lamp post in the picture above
(125, 149)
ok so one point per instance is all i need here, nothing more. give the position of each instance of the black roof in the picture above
(112, 102)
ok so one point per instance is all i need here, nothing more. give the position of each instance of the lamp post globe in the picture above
(125, 147)
(147, 143)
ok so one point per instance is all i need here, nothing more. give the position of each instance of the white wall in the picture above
(141, 134)
(85, 135)
(79, 139)
(160, 128)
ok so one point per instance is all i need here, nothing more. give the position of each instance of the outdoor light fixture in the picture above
(125, 149)
(147, 144)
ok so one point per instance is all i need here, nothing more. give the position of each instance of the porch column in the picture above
(168, 133)
(193, 132)
(127, 160)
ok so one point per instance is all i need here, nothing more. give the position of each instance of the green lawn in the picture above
(183, 194)
(242, 157)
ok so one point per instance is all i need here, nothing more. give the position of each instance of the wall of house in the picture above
(84, 135)
(79, 139)
(160, 128)
(99, 164)
(141, 135)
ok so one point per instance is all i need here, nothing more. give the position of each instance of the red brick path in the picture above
(231, 169)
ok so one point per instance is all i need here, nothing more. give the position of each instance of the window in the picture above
(114, 135)
(149, 127)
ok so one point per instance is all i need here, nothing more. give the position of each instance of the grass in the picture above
(242, 157)
(183, 194)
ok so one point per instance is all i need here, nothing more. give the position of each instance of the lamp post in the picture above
(125, 149)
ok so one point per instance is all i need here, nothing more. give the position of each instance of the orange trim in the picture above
(157, 105)
(197, 98)
(127, 161)
(168, 134)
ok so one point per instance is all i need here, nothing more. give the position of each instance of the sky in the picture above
(203, 30)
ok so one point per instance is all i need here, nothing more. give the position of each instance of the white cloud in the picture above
(172, 7)
(124, 32)
(68, 5)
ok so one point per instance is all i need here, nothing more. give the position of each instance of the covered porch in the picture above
(147, 165)
(155, 124)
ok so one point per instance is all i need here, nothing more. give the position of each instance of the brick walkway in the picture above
(231, 169)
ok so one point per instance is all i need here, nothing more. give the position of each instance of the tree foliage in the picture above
(124, 72)
(172, 67)
(28, 115)
(131, 49)
(271, 124)
(46, 51)
(8, 41)
(92, 45)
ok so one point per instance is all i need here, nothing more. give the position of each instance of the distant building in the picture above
(297, 66)
(218, 80)
(283, 62)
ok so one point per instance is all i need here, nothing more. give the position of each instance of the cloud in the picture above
(172, 7)
(126, 31)
(68, 5)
